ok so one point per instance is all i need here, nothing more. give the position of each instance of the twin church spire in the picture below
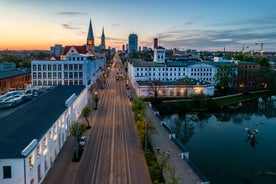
(90, 37)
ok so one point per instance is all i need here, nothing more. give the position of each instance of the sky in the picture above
(210, 25)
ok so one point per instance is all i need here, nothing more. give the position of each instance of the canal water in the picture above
(220, 147)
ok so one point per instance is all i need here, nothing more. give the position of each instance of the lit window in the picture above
(50, 135)
(45, 142)
(31, 161)
(38, 150)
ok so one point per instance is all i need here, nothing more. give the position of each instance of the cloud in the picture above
(115, 25)
(67, 26)
(71, 13)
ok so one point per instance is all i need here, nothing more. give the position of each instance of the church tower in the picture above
(90, 36)
(90, 40)
(103, 40)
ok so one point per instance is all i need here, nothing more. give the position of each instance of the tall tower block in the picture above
(155, 43)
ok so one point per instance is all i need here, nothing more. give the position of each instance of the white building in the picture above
(31, 139)
(167, 73)
(77, 69)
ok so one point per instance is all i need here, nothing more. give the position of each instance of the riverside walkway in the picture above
(161, 138)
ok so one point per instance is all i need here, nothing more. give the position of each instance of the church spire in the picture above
(103, 39)
(90, 36)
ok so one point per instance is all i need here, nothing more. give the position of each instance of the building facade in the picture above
(14, 79)
(29, 149)
(201, 74)
(77, 69)
(132, 43)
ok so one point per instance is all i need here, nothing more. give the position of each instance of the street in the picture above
(113, 152)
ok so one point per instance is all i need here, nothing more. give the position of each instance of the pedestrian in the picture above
(168, 153)
(158, 149)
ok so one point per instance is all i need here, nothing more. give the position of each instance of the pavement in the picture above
(63, 169)
(160, 138)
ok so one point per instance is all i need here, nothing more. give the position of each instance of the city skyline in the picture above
(202, 24)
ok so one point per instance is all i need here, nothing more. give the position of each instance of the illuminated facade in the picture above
(77, 69)
(142, 74)
(29, 149)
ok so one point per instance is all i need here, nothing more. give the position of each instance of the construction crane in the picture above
(262, 47)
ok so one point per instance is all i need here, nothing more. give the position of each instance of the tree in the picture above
(77, 127)
(186, 82)
(138, 107)
(225, 77)
(86, 112)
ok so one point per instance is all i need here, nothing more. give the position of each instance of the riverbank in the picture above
(203, 103)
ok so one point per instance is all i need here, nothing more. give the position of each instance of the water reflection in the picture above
(223, 149)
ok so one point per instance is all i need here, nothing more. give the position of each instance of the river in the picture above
(220, 147)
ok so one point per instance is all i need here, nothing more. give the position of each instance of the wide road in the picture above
(113, 153)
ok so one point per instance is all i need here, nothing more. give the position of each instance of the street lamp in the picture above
(96, 99)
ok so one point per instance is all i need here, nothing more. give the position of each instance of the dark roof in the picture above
(80, 49)
(13, 73)
(18, 129)
(159, 47)
(193, 82)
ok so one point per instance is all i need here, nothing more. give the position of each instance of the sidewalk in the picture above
(160, 138)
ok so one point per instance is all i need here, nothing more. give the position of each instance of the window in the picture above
(31, 161)
(65, 67)
(50, 135)
(38, 173)
(34, 76)
(45, 142)
(80, 67)
(38, 150)
(6, 171)
(34, 67)
(45, 163)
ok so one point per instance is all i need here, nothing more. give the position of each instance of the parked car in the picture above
(82, 141)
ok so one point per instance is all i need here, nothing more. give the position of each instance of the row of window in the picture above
(171, 74)
(56, 67)
(57, 82)
(173, 69)
(57, 75)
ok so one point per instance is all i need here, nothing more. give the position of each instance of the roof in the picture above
(33, 120)
(193, 82)
(13, 73)
(160, 47)
(142, 63)
(90, 35)
(80, 49)
(170, 63)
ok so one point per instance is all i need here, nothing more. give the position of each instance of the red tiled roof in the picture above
(80, 49)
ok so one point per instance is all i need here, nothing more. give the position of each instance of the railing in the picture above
(185, 155)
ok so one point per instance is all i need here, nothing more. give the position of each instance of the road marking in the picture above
(112, 146)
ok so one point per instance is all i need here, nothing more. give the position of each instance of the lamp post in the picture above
(96, 99)
(146, 128)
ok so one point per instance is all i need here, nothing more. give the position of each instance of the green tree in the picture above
(86, 112)
(186, 82)
(77, 127)
(225, 77)
(138, 107)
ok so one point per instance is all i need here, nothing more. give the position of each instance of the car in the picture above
(82, 141)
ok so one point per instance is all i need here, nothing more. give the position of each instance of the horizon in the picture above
(201, 25)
